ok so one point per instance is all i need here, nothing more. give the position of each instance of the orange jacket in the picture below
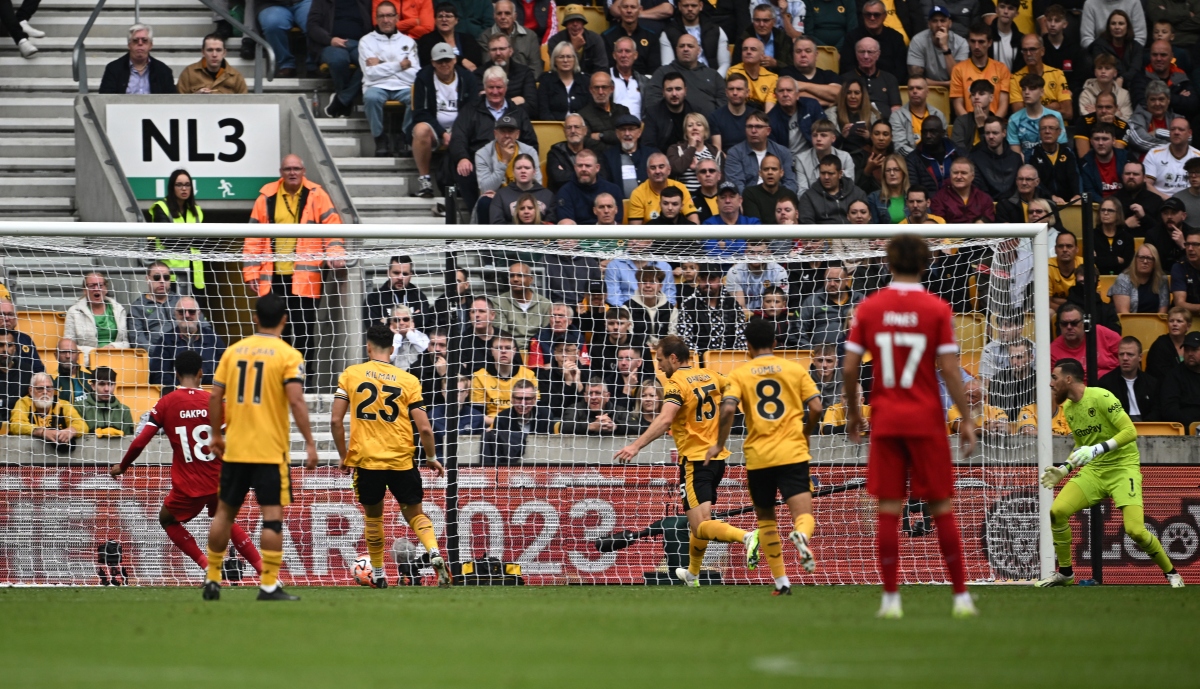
(415, 16)
(315, 208)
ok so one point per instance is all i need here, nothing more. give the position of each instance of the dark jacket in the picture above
(475, 128)
(1107, 255)
(963, 137)
(506, 198)
(995, 174)
(522, 82)
(575, 420)
(710, 37)
(1145, 388)
(808, 110)
(929, 171)
(1089, 173)
(783, 47)
(14, 384)
(320, 23)
(602, 122)
(819, 207)
(474, 16)
(705, 328)
(424, 96)
(1181, 396)
(450, 314)
(468, 49)
(377, 307)
(504, 444)
(116, 77)
(595, 57)
(1161, 360)
(541, 15)
(556, 395)
(658, 125)
(162, 358)
(575, 201)
(893, 51)
(705, 87)
(649, 56)
(1102, 313)
(569, 278)
(1060, 177)
(1151, 203)
(560, 163)
(610, 163)
(555, 102)
(730, 15)
(1179, 83)
(1128, 66)
(1169, 253)
(759, 203)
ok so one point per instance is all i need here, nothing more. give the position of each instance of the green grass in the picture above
(620, 637)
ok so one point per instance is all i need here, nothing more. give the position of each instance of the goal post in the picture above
(562, 511)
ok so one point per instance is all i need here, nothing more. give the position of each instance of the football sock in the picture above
(1069, 501)
(424, 529)
(887, 544)
(245, 545)
(716, 530)
(1067, 571)
(1135, 528)
(768, 540)
(272, 561)
(950, 543)
(782, 582)
(806, 525)
(373, 534)
(215, 560)
(696, 548)
(184, 541)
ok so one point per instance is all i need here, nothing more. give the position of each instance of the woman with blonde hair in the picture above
(1143, 287)
(526, 211)
(888, 203)
(562, 90)
(646, 407)
(685, 155)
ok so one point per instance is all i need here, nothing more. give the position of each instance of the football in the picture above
(362, 571)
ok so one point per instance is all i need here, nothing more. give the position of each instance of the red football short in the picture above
(894, 461)
(184, 508)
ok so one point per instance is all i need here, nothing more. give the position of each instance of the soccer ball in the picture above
(362, 571)
(405, 551)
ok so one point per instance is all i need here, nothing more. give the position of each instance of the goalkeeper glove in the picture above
(1081, 456)
(1053, 475)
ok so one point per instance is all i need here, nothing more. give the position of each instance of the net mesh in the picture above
(548, 497)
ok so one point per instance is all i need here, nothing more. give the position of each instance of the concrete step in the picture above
(402, 220)
(394, 205)
(344, 146)
(52, 45)
(116, 25)
(47, 218)
(351, 165)
(28, 165)
(59, 65)
(36, 124)
(362, 186)
(35, 106)
(35, 186)
(96, 69)
(116, 7)
(40, 205)
(34, 146)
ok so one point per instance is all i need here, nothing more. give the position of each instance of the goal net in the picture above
(535, 354)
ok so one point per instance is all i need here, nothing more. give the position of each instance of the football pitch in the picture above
(599, 637)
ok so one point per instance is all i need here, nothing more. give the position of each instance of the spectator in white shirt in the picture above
(408, 343)
(389, 62)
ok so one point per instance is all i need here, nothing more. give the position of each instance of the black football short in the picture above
(371, 486)
(786, 480)
(698, 483)
(271, 483)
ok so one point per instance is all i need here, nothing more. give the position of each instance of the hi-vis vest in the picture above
(315, 207)
(178, 264)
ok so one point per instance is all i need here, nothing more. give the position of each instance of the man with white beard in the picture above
(42, 415)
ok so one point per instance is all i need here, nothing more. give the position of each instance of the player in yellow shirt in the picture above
(257, 381)
(691, 398)
(387, 404)
(782, 407)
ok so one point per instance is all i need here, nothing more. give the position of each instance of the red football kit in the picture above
(905, 328)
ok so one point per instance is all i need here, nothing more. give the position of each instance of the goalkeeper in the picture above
(1107, 457)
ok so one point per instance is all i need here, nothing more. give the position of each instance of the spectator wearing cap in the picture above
(1169, 236)
(828, 201)
(705, 87)
(524, 43)
(389, 67)
(462, 46)
(601, 114)
(893, 46)
(576, 199)
(627, 13)
(334, 29)
(495, 161)
(188, 331)
(729, 212)
(934, 52)
(625, 163)
(742, 161)
(1181, 390)
(644, 202)
(711, 318)
(1100, 168)
(104, 414)
(476, 128)
(587, 45)
(522, 80)
(434, 117)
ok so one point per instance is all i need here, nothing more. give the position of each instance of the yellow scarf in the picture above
(508, 169)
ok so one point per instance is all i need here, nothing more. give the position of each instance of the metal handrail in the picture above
(79, 52)
(113, 160)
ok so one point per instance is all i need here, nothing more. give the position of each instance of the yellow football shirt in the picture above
(762, 89)
(1059, 283)
(989, 413)
(1028, 417)
(254, 372)
(494, 393)
(966, 73)
(645, 204)
(698, 392)
(835, 415)
(381, 431)
(1056, 89)
(773, 393)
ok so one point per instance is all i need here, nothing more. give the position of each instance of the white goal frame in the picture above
(1037, 233)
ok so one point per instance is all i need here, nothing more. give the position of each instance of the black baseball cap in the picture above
(1172, 204)
(1191, 341)
(507, 122)
(728, 186)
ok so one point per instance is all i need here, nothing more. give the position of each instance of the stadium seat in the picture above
(545, 52)
(723, 361)
(49, 359)
(132, 365)
(624, 211)
(969, 360)
(548, 133)
(1192, 428)
(139, 398)
(1159, 428)
(1137, 244)
(1072, 220)
(1106, 283)
(1146, 327)
(596, 19)
(939, 97)
(828, 58)
(970, 330)
(44, 327)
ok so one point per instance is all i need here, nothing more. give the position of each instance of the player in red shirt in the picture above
(195, 472)
(907, 331)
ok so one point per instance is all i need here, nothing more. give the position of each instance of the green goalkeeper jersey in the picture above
(1098, 416)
